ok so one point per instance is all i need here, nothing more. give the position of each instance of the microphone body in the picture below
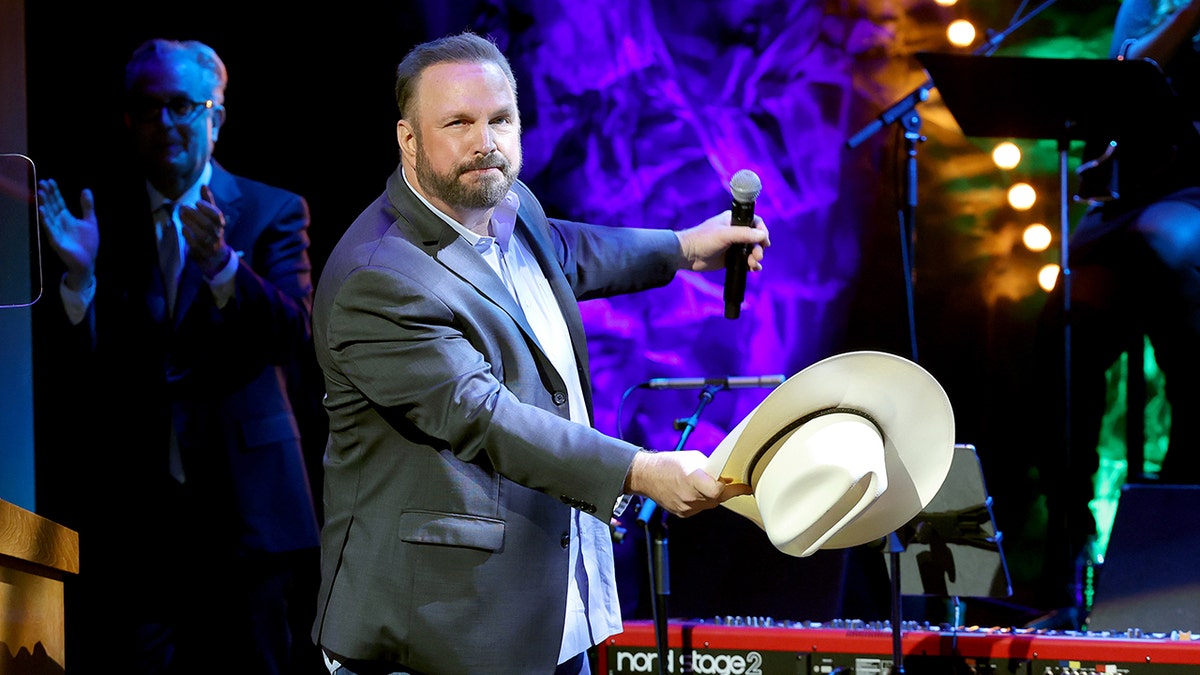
(745, 186)
(733, 382)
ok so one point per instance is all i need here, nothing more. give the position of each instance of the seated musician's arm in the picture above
(1138, 34)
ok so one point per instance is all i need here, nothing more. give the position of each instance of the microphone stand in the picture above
(894, 547)
(653, 520)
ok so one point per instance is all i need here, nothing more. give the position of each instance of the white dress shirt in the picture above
(593, 610)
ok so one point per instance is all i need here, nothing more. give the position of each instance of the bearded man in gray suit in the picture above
(468, 498)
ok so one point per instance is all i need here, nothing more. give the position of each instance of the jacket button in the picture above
(559, 398)
(565, 542)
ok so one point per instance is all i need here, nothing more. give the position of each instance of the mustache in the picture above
(494, 160)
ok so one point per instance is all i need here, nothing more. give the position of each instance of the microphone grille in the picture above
(745, 186)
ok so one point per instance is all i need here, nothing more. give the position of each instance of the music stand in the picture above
(1064, 100)
(952, 548)
(1049, 98)
(1059, 99)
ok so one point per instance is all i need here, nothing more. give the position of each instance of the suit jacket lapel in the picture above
(443, 244)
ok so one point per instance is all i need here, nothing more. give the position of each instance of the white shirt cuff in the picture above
(221, 284)
(76, 302)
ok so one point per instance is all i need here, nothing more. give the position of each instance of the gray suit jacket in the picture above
(452, 465)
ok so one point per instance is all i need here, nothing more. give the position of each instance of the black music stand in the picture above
(1048, 98)
(1064, 100)
(952, 549)
(1059, 99)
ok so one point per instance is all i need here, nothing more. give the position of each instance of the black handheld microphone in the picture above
(731, 382)
(745, 186)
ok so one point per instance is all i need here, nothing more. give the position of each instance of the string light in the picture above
(1047, 276)
(1036, 237)
(960, 32)
(1006, 155)
(1021, 196)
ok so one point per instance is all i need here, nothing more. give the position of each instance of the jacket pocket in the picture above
(452, 529)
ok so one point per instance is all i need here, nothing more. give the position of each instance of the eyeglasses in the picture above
(179, 109)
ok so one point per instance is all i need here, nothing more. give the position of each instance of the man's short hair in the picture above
(465, 47)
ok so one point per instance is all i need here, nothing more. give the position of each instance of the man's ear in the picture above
(406, 138)
(218, 120)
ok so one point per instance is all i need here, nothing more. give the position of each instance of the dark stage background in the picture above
(637, 113)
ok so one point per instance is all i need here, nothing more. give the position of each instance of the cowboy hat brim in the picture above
(819, 493)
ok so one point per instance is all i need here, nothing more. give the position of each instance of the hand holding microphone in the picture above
(745, 186)
(714, 245)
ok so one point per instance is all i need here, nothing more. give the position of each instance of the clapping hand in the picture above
(204, 230)
(75, 240)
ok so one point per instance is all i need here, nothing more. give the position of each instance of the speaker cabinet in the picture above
(1150, 579)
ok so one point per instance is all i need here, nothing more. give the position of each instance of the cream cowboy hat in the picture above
(844, 452)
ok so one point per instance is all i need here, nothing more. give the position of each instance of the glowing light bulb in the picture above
(1021, 196)
(1047, 276)
(1006, 155)
(960, 33)
(1036, 237)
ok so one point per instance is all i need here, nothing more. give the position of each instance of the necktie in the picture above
(169, 258)
(170, 261)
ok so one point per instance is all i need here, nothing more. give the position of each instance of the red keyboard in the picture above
(857, 648)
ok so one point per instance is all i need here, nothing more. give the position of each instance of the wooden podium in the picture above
(36, 556)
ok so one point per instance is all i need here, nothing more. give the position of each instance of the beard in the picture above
(485, 193)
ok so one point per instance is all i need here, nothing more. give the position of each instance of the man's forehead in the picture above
(453, 84)
(171, 72)
(464, 69)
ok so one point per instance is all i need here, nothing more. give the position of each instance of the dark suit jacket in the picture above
(452, 465)
(219, 373)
